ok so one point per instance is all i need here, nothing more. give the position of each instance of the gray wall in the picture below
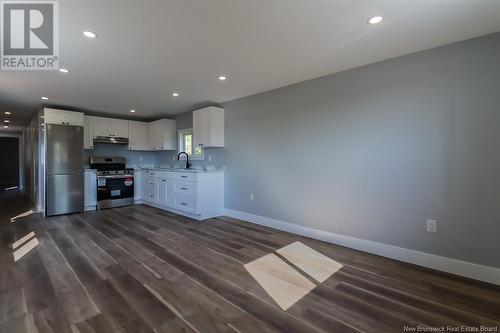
(375, 151)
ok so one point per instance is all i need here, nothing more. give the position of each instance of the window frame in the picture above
(180, 145)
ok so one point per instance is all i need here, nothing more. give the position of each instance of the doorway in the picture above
(9, 166)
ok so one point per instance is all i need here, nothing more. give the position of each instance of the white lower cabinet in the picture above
(137, 185)
(90, 190)
(197, 195)
(154, 189)
(162, 189)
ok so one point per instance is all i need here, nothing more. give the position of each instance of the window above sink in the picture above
(185, 143)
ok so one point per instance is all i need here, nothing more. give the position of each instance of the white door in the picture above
(145, 188)
(88, 134)
(168, 132)
(90, 189)
(101, 126)
(170, 193)
(119, 128)
(137, 185)
(74, 118)
(53, 116)
(199, 128)
(138, 135)
(153, 135)
(162, 191)
(154, 189)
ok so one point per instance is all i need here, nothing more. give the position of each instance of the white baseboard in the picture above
(454, 266)
(89, 208)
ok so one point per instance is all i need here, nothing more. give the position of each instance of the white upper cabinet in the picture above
(119, 128)
(110, 127)
(208, 127)
(162, 135)
(100, 126)
(138, 135)
(88, 133)
(63, 117)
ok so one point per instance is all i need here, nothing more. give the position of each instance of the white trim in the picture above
(454, 266)
(89, 208)
(192, 157)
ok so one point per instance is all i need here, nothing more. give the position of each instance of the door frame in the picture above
(20, 138)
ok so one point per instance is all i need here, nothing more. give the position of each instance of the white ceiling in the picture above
(148, 49)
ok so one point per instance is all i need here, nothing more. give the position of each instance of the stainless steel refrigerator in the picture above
(64, 169)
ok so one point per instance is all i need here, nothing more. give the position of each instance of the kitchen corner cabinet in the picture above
(63, 117)
(162, 135)
(88, 133)
(138, 135)
(110, 127)
(208, 127)
(90, 190)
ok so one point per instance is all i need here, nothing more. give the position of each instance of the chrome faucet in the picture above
(188, 165)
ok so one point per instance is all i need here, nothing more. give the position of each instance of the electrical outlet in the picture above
(431, 225)
(252, 197)
(173, 158)
(209, 157)
(141, 158)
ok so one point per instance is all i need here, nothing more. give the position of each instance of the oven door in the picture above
(115, 191)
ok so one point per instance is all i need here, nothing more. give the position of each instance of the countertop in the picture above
(197, 170)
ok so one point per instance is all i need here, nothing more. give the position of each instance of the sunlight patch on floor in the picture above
(25, 249)
(27, 213)
(283, 283)
(22, 240)
(310, 261)
(286, 284)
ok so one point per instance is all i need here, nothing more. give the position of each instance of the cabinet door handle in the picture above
(184, 204)
(184, 176)
(163, 180)
(184, 188)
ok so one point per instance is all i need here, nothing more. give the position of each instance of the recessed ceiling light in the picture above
(6, 121)
(5, 126)
(64, 70)
(133, 111)
(44, 98)
(222, 78)
(175, 94)
(375, 19)
(8, 112)
(89, 34)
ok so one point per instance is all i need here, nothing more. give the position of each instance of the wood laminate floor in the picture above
(141, 269)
